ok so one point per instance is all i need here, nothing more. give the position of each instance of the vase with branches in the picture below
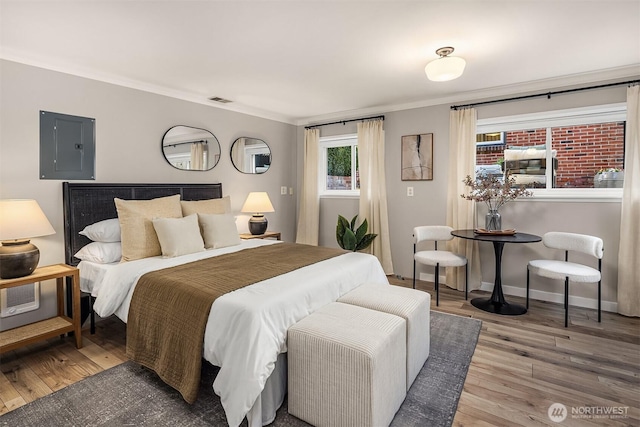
(494, 191)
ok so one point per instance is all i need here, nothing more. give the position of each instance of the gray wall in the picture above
(130, 124)
(129, 128)
(428, 205)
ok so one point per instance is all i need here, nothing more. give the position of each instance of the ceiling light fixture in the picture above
(446, 67)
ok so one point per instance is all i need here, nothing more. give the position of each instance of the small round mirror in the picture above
(191, 149)
(250, 155)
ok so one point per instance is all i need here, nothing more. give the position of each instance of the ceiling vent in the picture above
(220, 100)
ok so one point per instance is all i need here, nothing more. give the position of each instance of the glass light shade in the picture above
(257, 202)
(445, 68)
(22, 219)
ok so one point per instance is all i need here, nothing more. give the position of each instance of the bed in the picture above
(246, 330)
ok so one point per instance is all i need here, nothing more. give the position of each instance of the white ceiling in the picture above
(305, 61)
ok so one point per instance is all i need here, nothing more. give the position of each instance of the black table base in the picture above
(505, 308)
(496, 303)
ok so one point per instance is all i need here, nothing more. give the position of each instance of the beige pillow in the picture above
(219, 230)
(139, 239)
(179, 236)
(210, 206)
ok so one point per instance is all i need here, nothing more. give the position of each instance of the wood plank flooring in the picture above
(521, 366)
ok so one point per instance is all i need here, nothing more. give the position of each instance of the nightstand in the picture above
(48, 328)
(267, 235)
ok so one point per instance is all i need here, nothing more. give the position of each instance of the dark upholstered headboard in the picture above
(85, 204)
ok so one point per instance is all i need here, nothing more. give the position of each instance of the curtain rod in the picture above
(547, 94)
(344, 121)
(188, 142)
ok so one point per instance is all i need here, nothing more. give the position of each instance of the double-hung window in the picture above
(338, 167)
(576, 152)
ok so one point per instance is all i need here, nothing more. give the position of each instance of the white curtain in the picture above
(460, 212)
(237, 154)
(309, 214)
(373, 190)
(197, 156)
(629, 254)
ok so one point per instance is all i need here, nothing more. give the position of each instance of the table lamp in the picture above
(257, 203)
(20, 220)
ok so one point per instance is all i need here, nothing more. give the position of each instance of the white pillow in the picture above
(101, 252)
(219, 230)
(139, 239)
(178, 236)
(106, 231)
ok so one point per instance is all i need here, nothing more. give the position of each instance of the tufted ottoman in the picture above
(347, 366)
(410, 304)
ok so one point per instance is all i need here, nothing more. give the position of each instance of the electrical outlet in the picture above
(410, 191)
(291, 191)
(283, 190)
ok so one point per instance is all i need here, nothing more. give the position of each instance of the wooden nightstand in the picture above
(267, 235)
(27, 334)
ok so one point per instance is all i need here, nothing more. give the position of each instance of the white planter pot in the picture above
(608, 179)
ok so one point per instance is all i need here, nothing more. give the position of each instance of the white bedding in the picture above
(247, 328)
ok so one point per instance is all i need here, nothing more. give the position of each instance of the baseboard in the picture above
(553, 297)
(610, 306)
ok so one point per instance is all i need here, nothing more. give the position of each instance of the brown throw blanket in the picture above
(170, 307)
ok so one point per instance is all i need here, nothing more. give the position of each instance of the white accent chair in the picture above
(570, 271)
(436, 258)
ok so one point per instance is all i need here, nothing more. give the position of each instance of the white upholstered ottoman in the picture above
(347, 366)
(410, 304)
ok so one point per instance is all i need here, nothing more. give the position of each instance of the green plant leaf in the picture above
(353, 223)
(365, 242)
(349, 240)
(343, 224)
(362, 230)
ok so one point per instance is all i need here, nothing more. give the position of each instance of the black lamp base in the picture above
(18, 259)
(258, 225)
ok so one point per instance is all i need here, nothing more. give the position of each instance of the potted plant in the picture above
(608, 178)
(351, 238)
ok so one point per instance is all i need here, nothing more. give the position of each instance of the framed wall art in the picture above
(417, 157)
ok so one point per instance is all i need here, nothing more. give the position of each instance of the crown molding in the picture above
(619, 73)
(92, 74)
(632, 71)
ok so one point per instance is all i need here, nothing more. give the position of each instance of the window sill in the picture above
(340, 196)
(591, 195)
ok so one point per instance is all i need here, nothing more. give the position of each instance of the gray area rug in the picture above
(129, 395)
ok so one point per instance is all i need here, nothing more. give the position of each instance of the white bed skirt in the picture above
(263, 412)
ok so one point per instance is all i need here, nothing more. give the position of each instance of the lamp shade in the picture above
(22, 219)
(257, 202)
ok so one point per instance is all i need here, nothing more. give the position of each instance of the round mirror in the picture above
(250, 155)
(191, 149)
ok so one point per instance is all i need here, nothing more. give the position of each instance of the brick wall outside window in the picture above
(582, 150)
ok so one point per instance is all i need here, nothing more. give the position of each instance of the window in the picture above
(338, 169)
(562, 149)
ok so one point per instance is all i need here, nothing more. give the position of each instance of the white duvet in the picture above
(247, 328)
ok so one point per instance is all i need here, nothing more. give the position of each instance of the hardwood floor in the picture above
(521, 366)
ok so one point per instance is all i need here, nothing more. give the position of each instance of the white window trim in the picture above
(557, 118)
(328, 142)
